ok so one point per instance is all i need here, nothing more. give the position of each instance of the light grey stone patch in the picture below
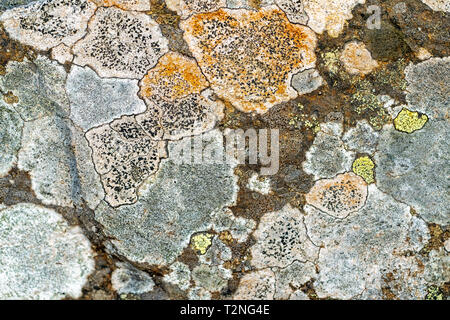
(45, 24)
(281, 239)
(299, 295)
(217, 253)
(8, 4)
(294, 10)
(95, 101)
(90, 183)
(127, 279)
(42, 257)
(428, 90)
(39, 85)
(306, 81)
(180, 275)
(240, 228)
(413, 168)
(174, 204)
(197, 293)
(210, 278)
(362, 138)
(10, 137)
(358, 252)
(257, 285)
(328, 157)
(47, 155)
(293, 276)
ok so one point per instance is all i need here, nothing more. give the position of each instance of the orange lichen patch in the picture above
(249, 57)
(136, 5)
(339, 196)
(175, 76)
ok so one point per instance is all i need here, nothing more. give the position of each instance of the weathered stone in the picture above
(357, 59)
(42, 257)
(126, 279)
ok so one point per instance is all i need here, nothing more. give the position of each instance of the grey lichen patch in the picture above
(123, 44)
(340, 196)
(328, 156)
(294, 10)
(46, 153)
(257, 285)
(180, 275)
(250, 56)
(409, 164)
(126, 279)
(291, 279)
(359, 251)
(362, 138)
(124, 155)
(185, 8)
(210, 278)
(39, 86)
(171, 207)
(239, 227)
(8, 4)
(306, 81)
(428, 91)
(178, 97)
(41, 257)
(10, 137)
(95, 101)
(45, 24)
(281, 239)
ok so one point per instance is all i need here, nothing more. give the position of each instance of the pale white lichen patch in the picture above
(185, 8)
(95, 101)
(259, 184)
(180, 275)
(122, 44)
(438, 5)
(357, 59)
(281, 239)
(42, 257)
(45, 24)
(329, 15)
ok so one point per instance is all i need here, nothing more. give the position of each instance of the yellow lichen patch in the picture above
(409, 121)
(201, 242)
(136, 5)
(364, 167)
(249, 56)
(175, 76)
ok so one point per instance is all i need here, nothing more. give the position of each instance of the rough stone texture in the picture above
(39, 87)
(121, 44)
(46, 24)
(258, 285)
(95, 101)
(282, 239)
(132, 5)
(362, 138)
(10, 137)
(329, 15)
(180, 275)
(244, 49)
(357, 59)
(327, 156)
(428, 91)
(186, 8)
(169, 206)
(409, 164)
(340, 196)
(42, 257)
(359, 251)
(306, 81)
(126, 279)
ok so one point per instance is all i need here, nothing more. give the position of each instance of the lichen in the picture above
(364, 167)
(201, 242)
(409, 121)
